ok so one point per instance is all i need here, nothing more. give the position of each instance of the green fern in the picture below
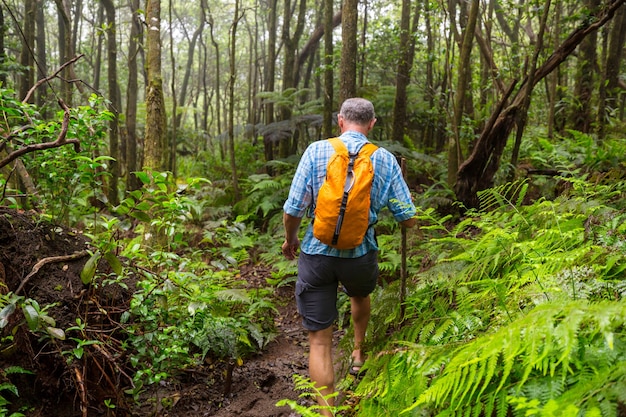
(550, 344)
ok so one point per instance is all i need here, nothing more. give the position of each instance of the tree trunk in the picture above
(133, 162)
(155, 134)
(347, 66)
(522, 115)
(327, 128)
(403, 77)
(454, 147)
(290, 44)
(614, 56)
(231, 100)
(42, 93)
(116, 104)
(27, 60)
(270, 75)
(553, 79)
(97, 67)
(65, 48)
(218, 94)
(477, 172)
(3, 52)
(184, 87)
(581, 117)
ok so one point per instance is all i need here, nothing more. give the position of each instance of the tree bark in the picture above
(288, 146)
(580, 112)
(454, 147)
(615, 53)
(231, 100)
(65, 48)
(133, 161)
(42, 94)
(327, 128)
(155, 134)
(347, 66)
(270, 76)
(27, 60)
(116, 104)
(403, 77)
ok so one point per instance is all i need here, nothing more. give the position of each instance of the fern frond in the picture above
(546, 342)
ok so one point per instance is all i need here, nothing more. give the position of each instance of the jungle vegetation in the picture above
(168, 132)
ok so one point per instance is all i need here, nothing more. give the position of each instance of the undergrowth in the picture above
(522, 313)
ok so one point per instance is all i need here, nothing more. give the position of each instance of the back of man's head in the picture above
(357, 110)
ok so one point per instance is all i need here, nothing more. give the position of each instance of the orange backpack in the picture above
(342, 207)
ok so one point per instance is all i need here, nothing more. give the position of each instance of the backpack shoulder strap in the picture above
(339, 146)
(368, 149)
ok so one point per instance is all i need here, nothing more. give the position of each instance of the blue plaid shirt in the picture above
(388, 190)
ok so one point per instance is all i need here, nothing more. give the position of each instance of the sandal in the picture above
(355, 368)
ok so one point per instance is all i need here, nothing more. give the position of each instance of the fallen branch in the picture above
(45, 261)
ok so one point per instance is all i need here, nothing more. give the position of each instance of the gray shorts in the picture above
(318, 279)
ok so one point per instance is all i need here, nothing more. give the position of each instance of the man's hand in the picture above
(290, 250)
(292, 243)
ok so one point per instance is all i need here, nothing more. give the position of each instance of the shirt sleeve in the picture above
(400, 201)
(301, 190)
(397, 196)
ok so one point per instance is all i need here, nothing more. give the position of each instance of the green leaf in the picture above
(89, 270)
(114, 262)
(5, 313)
(140, 215)
(143, 177)
(32, 317)
(56, 332)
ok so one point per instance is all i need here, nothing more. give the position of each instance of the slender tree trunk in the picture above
(133, 162)
(363, 56)
(553, 78)
(3, 52)
(190, 58)
(617, 38)
(27, 60)
(403, 76)
(155, 134)
(66, 51)
(454, 148)
(270, 75)
(114, 146)
(290, 43)
(218, 95)
(171, 162)
(327, 128)
(97, 66)
(581, 118)
(347, 66)
(42, 93)
(231, 100)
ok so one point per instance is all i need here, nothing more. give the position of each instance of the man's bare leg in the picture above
(361, 310)
(321, 368)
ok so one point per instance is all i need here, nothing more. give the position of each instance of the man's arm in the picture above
(292, 243)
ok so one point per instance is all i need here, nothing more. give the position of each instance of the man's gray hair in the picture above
(357, 110)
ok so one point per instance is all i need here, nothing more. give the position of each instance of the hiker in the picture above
(321, 267)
